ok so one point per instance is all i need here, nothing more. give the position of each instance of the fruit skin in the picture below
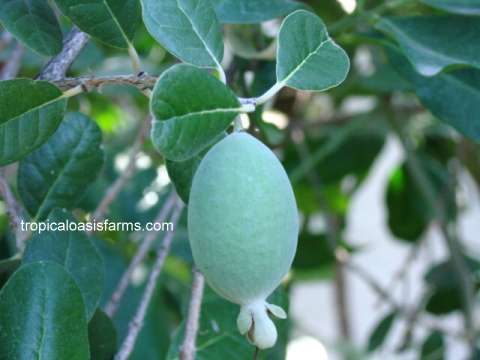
(243, 229)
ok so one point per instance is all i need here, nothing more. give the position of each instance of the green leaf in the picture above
(433, 348)
(57, 174)
(189, 29)
(34, 23)
(380, 333)
(30, 112)
(111, 21)
(442, 278)
(102, 337)
(465, 7)
(253, 11)
(432, 43)
(453, 97)
(307, 58)
(408, 212)
(218, 336)
(181, 173)
(75, 252)
(191, 109)
(42, 315)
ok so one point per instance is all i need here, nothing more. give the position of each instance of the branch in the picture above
(14, 210)
(58, 66)
(188, 348)
(137, 322)
(5, 39)
(122, 285)
(142, 81)
(114, 190)
(12, 66)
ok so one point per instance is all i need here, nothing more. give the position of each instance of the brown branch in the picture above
(58, 66)
(114, 190)
(12, 66)
(141, 81)
(150, 237)
(188, 348)
(136, 323)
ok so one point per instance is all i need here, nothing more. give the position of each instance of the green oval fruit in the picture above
(243, 229)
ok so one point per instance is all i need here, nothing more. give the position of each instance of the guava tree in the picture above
(231, 122)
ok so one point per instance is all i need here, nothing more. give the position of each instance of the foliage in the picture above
(74, 147)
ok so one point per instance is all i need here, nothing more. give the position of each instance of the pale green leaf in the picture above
(253, 11)
(75, 252)
(189, 29)
(308, 59)
(432, 43)
(30, 112)
(57, 174)
(465, 7)
(42, 315)
(34, 23)
(111, 21)
(191, 109)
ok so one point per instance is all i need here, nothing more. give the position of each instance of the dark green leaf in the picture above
(189, 29)
(253, 11)
(432, 43)
(191, 109)
(34, 23)
(75, 252)
(308, 59)
(460, 87)
(181, 173)
(30, 112)
(111, 21)
(102, 337)
(443, 280)
(42, 315)
(433, 348)
(380, 333)
(465, 7)
(57, 174)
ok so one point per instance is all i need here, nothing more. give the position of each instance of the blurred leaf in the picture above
(443, 279)
(249, 42)
(30, 112)
(308, 59)
(408, 212)
(314, 255)
(39, 299)
(102, 337)
(381, 331)
(75, 252)
(432, 43)
(465, 7)
(34, 23)
(56, 174)
(433, 347)
(188, 29)
(460, 87)
(112, 22)
(218, 336)
(385, 80)
(186, 122)
(253, 11)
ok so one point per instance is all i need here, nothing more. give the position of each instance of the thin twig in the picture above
(58, 66)
(142, 81)
(13, 209)
(188, 348)
(452, 243)
(12, 66)
(136, 323)
(114, 190)
(150, 237)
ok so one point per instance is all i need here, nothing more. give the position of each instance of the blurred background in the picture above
(383, 186)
